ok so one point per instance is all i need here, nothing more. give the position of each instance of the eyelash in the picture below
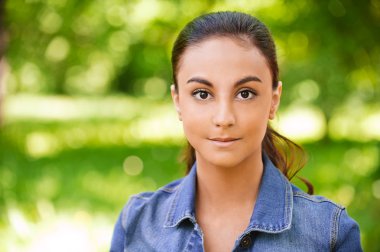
(196, 92)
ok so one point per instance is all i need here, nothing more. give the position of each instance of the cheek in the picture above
(257, 110)
(193, 116)
(254, 121)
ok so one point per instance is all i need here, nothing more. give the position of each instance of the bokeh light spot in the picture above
(115, 15)
(133, 165)
(376, 189)
(50, 21)
(144, 11)
(30, 77)
(119, 41)
(308, 90)
(58, 49)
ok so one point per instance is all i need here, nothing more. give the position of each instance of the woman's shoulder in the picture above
(143, 213)
(305, 198)
(161, 193)
(315, 206)
(318, 215)
(151, 200)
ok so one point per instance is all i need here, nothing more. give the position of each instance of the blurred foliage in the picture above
(327, 49)
(92, 166)
(87, 146)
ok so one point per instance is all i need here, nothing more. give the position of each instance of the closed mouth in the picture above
(228, 139)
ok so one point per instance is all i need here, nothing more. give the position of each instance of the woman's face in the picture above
(225, 99)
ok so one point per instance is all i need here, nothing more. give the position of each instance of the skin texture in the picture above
(225, 99)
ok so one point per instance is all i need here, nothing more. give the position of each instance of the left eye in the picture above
(245, 95)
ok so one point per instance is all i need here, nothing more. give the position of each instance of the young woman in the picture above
(236, 195)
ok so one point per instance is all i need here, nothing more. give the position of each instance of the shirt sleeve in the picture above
(348, 238)
(118, 237)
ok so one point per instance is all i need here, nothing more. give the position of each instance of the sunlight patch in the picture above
(41, 144)
(302, 124)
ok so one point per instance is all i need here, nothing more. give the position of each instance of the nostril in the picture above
(223, 115)
(228, 123)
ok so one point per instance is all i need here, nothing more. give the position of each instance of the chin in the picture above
(226, 160)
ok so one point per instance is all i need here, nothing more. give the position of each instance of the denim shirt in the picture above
(284, 219)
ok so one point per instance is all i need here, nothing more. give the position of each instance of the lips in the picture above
(223, 142)
(224, 139)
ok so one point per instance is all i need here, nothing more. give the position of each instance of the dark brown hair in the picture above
(286, 155)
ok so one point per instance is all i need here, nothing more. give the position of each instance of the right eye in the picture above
(201, 94)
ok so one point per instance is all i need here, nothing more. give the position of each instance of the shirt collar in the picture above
(274, 204)
(273, 208)
(183, 204)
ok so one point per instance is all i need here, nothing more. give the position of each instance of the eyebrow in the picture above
(239, 82)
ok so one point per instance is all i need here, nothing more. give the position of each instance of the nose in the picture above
(224, 116)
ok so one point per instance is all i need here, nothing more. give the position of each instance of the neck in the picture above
(223, 187)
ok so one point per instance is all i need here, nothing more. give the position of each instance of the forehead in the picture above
(223, 57)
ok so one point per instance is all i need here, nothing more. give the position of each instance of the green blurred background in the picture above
(86, 117)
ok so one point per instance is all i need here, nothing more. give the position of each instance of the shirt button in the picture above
(246, 242)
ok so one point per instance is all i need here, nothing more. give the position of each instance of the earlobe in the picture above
(175, 98)
(275, 101)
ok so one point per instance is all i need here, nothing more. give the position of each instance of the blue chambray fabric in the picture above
(284, 219)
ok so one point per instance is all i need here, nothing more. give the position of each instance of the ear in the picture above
(276, 97)
(175, 98)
